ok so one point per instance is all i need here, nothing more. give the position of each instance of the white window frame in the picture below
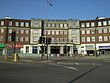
(22, 31)
(104, 23)
(100, 38)
(22, 24)
(88, 39)
(87, 31)
(2, 30)
(27, 24)
(82, 31)
(87, 24)
(82, 24)
(83, 39)
(99, 23)
(105, 30)
(100, 30)
(93, 39)
(10, 31)
(92, 24)
(105, 38)
(2, 23)
(17, 24)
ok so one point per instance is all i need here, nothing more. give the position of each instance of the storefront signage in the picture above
(2, 45)
(16, 46)
(104, 47)
(90, 47)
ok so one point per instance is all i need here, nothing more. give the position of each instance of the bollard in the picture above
(15, 57)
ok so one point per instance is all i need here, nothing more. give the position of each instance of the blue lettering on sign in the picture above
(104, 47)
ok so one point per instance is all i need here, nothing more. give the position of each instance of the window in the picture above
(65, 39)
(105, 30)
(27, 24)
(99, 23)
(61, 39)
(53, 40)
(2, 23)
(27, 49)
(22, 24)
(17, 24)
(61, 32)
(1, 38)
(21, 39)
(53, 25)
(10, 23)
(83, 39)
(105, 38)
(22, 31)
(65, 25)
(87, 24)
(99, 30)
(82, 24)
(83, 31)
(2, 30)
(26, 39)
(92, 24)
(57, 39)
(49, 25)
(17, 31)
(34, 38)
(92, 31)
(52, 32)
(93, 39)
(57, 32)
(61, 25)
(100, 38)
(109, 30)
(48, 32)
(34, 49)
(10, 31)
(109, 22)
(9, 38)
(26, 31)
(104, 23)
(88, 39)
(17, 38)
(65, 32)
(88, 32)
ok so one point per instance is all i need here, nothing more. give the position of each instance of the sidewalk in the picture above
(55, 59)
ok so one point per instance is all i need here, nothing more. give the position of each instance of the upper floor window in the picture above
(22, 24)
(22, 31)
(92, 31)
(52, 32)
(21, 39)
(26, 31)
(109, 22)
(65, 25)
(61, 32)
(99, 30)
(16, 23)
(57, 32)
(1, 38)
(2, 30)
(53, 25)
(88, 39)
(82, 24)
(2, 23)
(27, 24)
(92, 24)
(93, 39)
(105, 38)
(83, 31)
(105, 30)
(65, 32)
(100, 38)
(26, 38)
(61, 25)
(99, 23)
(10, 23)
(88, 32)
(10, 31)
(104, 23)
(83, 39)
(87, 24)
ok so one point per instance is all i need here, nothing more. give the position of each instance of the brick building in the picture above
(95, 36)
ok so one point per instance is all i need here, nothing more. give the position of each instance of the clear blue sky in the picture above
(61, 9)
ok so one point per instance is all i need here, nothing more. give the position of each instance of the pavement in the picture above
(55, 59)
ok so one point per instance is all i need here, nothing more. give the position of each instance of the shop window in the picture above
(34, 49)
(27, 49)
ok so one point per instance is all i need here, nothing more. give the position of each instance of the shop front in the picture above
(104, 50)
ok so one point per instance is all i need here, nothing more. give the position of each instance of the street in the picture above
(79, 71)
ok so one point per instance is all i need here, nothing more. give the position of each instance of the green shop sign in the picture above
(2, 45)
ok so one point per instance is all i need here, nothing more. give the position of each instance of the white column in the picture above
(61, 50)
(49, 48)
(71, 51)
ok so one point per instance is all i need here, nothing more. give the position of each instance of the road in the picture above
(84, 71)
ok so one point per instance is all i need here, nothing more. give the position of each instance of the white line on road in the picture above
(68, 67)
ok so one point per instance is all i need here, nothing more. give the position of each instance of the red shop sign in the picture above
(16, 46)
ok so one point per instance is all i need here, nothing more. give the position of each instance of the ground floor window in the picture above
(34, 49)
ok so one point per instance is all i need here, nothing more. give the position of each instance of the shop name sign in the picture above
(2, 45)
(16, 46)
(104, 47)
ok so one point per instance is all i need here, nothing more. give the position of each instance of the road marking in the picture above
(68, 67)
